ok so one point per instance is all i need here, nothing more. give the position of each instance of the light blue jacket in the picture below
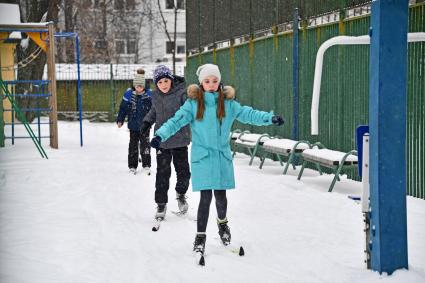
(211, 157)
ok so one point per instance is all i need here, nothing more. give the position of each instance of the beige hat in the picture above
(139, 78)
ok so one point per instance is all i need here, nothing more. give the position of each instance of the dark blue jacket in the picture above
(135, 107)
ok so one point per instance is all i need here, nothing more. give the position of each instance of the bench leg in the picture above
(263, 158)
(319, 168)
(234, 151)
(280, 159)
(287, 163)
(252, 156)
(337, 172)
(302, 170)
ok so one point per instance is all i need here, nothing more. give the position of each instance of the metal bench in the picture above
(252, 142)
(336, 160)
(286, 148)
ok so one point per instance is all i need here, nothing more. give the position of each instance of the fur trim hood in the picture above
(228, 91)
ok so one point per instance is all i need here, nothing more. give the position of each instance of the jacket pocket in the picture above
(199, 153)
(201, 167)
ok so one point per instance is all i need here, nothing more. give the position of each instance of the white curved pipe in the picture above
(339, 40)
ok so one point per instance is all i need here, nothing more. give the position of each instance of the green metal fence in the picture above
(261, 71)
(102, 87)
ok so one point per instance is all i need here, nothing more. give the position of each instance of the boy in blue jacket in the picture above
(135, 104)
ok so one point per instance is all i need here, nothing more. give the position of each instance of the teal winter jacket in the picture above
(211, 157)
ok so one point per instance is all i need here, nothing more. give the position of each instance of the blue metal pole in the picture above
(38, 114)
(387, 119)
(295, 75)
(13, 118)
(80, 103)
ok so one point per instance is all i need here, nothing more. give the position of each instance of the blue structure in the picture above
(41, 94)
(80, 103)
(387, 121)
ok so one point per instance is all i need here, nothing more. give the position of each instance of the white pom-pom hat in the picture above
(207, 70)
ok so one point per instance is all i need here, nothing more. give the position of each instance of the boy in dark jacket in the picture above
(169, 95)
(135, 104)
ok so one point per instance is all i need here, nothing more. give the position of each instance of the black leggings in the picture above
(204, 207)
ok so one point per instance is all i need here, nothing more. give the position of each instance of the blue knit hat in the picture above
(161, 72)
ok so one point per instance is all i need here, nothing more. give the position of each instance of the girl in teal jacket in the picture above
(211, 111)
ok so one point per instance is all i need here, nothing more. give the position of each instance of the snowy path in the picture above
(80, 217)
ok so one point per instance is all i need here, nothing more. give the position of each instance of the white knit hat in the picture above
(208, 70)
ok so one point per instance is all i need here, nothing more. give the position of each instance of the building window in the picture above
(169, 47)
(169, 4)
(131, 46)
(181, 48)
(119, 47)
(100, 44)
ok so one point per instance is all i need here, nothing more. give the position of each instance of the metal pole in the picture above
(13, 117)
(365, 197)
(38, 113)
(387, 122)
(295, 49)
(80, 102)
(2, 138)
(112, 110)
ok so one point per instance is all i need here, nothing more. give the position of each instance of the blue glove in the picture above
(156, 142)
(277, 120)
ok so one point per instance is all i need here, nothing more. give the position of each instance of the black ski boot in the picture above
(199, 244)
(224, 231)
(199, 248)
(161, 209)
(182, 203)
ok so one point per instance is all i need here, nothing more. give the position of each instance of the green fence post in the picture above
(295, 70)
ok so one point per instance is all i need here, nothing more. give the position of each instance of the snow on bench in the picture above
(285, 147)
(252, 142)
(328, 157)
(336, 160)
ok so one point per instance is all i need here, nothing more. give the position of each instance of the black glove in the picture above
(277, 120)
(156, 142)
(145, 127)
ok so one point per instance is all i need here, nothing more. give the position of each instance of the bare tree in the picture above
(33, 11)
(166, 29)
(108, 26)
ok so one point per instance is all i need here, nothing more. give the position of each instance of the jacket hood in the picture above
(228, 91)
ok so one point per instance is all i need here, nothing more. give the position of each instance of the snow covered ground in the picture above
(81, 217)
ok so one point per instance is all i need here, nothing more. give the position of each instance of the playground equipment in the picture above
(43, 35)
(79, 98)
(37, 142)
